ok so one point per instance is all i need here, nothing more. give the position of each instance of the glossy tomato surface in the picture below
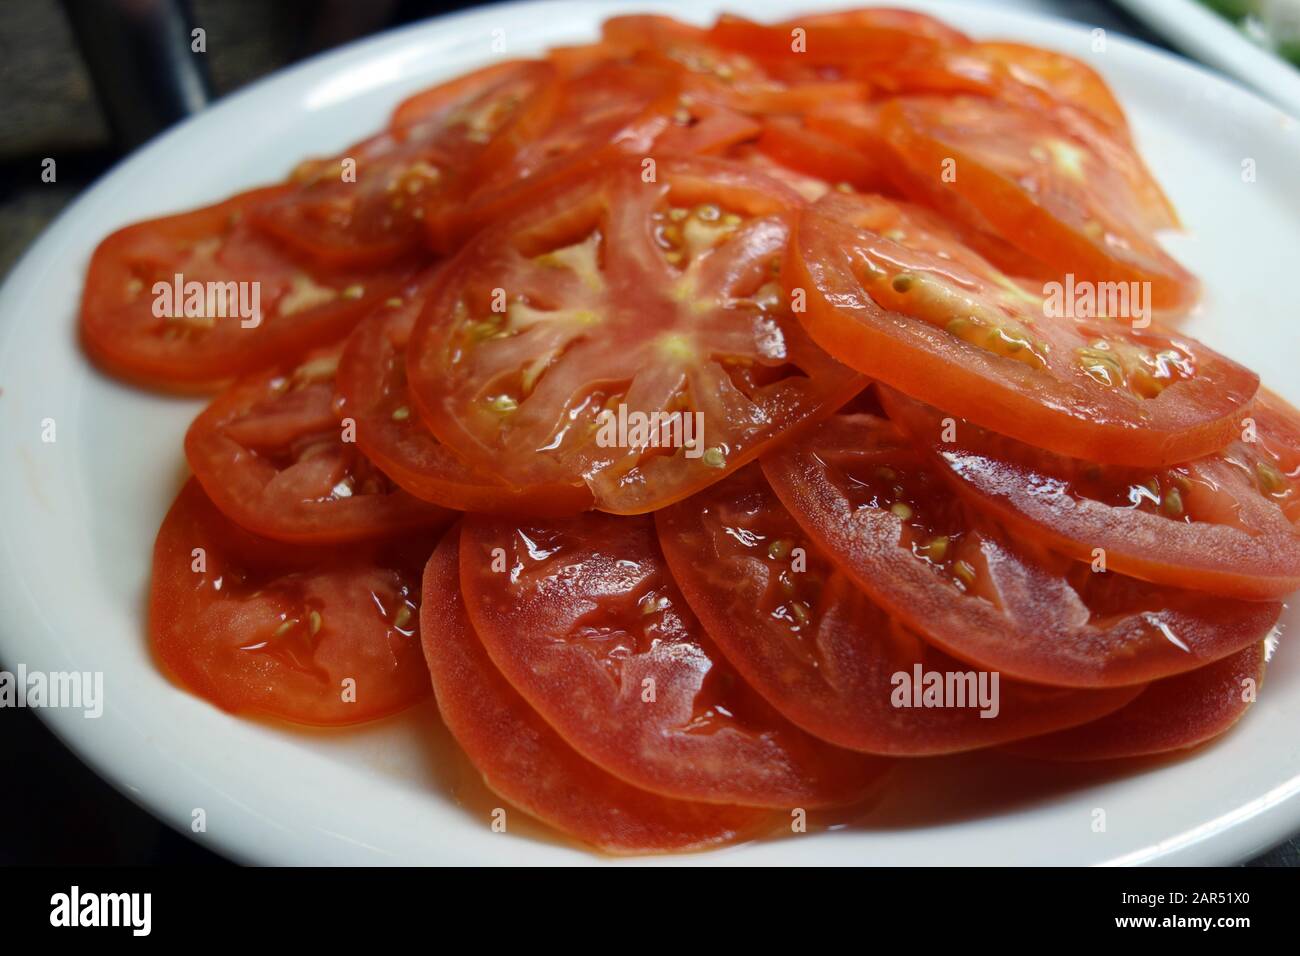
(896, 294)
(628, 335)
(888, 518)
(373, 394)
(529, 764)
(310, 634)
(273, 455)
(1226, 523)
(584, 620)
(134, 324)
(808, 639)
(1171, 714)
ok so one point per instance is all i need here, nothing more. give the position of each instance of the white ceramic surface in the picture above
(78, 516)
(1210, 38)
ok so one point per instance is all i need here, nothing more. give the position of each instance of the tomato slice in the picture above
(1171, 714)
(320, 635)
(893, 293)
(1078, 203)
(1224, 523)
(850, 38)
(793, 144)
(584, 124)
(885, 515)
(373, 393)
(523, 760)
(272, 455)
(626, 335)
(298, 307)
(366, 205)
(823, 653)
(582, 617)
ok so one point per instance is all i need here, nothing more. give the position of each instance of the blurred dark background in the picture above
(85, 81)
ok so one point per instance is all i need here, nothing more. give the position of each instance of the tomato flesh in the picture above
(373, 393)
(1226, 523)
(628, 336)
(322, 635)
(583, 619)
(886, 516)
(299, 307)
(895, 294)
(525, 761)
(822, 652)
(1171, 714)
(272, 455)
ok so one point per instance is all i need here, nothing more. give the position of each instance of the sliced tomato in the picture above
(1171, 714)
(893, 293)
(625, 335)
(584, 124)
(581, 616)
(823, 653)
(373, 393)
(367, 204)
(1077, 203)
(1224, 523)
(523, 760)
(310, 634)
(887, 517)
(272, 455)
(297, 307)
(792, 144)
(844, 39)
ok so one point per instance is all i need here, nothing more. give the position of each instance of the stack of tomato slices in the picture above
(689, 411)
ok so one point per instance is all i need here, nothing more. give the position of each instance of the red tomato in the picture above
(792, 144)
(314, 635)
(523, 760)
(1078, 203)
(892, 292)
(298, 307)
(844, 39)
(1172, 714)
(885, 515)
(271, 453)
(1224, 523)
(625, 335)
(823, 653)
(372, 210)
(581, 616)
(584, 124)
(373, 393)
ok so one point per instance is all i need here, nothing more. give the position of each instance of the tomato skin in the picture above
(270, 453)
(1255, 556)
(817, 648)
(1057, 401)
(373, 392)
(1176, 713)
(523, 760)
(528, 393)
(860, 489)
(584, 618)
(239, 632)
(120, 332)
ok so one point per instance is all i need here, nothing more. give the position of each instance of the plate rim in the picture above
(1267, 825)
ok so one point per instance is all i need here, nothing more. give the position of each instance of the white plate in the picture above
(79, 514)
(1202, 33)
